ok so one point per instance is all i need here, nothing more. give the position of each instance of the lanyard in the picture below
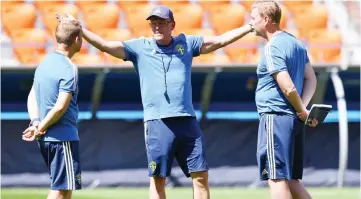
(165, 71)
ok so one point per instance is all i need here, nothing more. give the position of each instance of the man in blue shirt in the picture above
(286, 84)
(163, 64)
(53, 110)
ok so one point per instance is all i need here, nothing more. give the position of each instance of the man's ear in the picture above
(173, 26)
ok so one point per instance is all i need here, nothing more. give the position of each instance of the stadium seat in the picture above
(195, 31)
(84, 59)
(83, 4)
(136, 17)
(227, 17)
(325, 45)
(101, 16)
(108, 59)
(172, 3)
(113, 34)
(293, 6)
(48, 18)
(28, 42)
(194, 12)
(308, 18)
(243, 49)
(294, 32)
(211, 6)
(41, 4)
(15, 16)
(143, 33)
(129, 4)
(212, 59)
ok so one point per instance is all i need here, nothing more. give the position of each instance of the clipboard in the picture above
(319, 112)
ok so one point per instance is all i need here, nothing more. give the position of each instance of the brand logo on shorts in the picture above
(152, 166)
(78, 178)
(264, 172)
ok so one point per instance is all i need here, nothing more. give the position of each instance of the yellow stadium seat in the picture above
(48, 17)
(212, 59)
(311, 18)
(293, 6)
(248, 5)
(194, 12)
(101, 16)
(41, 4)
(136, 17)
(15, 16)
(29, 42)
(83, 4)
(114, 34)
(195, 31)
(243, 49)
(172, 3)
(227, 17)
(211, 6)
(124, 4)
(83, 59)
(325, 45)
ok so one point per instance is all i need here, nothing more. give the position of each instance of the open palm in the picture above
(67, 17)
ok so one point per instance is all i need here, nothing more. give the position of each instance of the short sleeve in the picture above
(69, 79)
(195, 43)
(275, 59)
(131, 48)
(307, 60)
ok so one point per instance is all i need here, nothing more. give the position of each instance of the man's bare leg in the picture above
(279, 189)
(157, 188)
(200, 185)
(298, 190)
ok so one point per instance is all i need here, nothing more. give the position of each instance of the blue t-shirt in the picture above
(164, 74)
(282, 53)
(56, 73)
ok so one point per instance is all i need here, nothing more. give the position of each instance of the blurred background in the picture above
(223, 83)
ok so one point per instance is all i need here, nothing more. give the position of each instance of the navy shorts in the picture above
(280, 147)
(63, 161)
(178, 137)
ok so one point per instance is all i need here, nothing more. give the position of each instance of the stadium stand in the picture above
(299, 17)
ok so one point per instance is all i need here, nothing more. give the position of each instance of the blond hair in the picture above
(67, 31)
(270, 9)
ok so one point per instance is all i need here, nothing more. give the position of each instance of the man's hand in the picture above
(31, 134)
(303, 116)
(67, 17)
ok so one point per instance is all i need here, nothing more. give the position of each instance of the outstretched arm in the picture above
(114, 48)
(212, 43)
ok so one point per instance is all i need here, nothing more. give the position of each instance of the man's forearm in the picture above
(32, 105)
(51, 118)
(94, 39)
(233, 35)
(309, 87)
(294, 98)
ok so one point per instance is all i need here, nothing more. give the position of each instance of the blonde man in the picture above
(53, 110)
(286, 85)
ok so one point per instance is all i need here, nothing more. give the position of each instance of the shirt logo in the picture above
(179, 48)
(152, 166)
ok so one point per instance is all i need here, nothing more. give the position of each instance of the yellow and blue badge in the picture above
(152, 165)
(180, 48)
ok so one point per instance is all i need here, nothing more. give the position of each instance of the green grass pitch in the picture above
(177, 193)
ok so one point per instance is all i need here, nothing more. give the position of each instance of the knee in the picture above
(200, 179)
(158, 182)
